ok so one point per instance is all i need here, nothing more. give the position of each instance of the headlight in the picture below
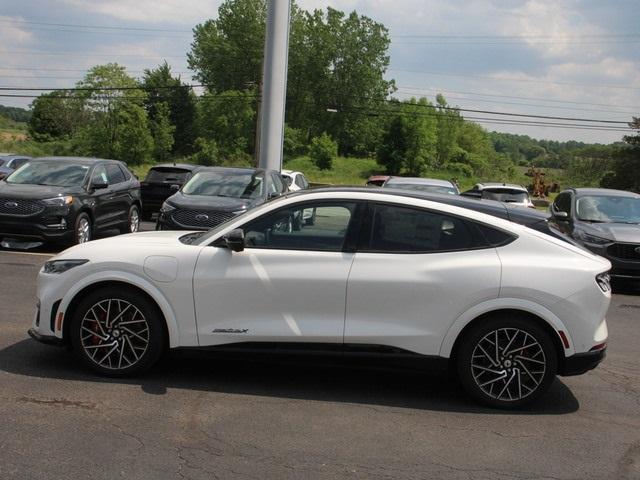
(59, 201)
(166, 208)
(61, 266)
(593, 239)
(604, 282)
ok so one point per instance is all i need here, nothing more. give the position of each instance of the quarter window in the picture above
(408, 230)
(320, 227)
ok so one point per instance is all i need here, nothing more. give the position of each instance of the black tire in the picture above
(130, 349)
(133, 220)
(512, 380)
(82, 230)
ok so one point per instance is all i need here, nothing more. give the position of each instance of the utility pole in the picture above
(274, 87)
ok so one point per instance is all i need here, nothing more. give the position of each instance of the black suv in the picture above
(161, 182)
(66, 200)
(216, 194)
(607, 222)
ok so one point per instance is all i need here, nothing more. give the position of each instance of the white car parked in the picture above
(384, 272)
(295, 180)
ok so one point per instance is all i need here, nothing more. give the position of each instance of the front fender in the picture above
(131, 279)
(497, 304)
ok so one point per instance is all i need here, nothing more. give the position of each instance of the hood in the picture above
(209, 203)
(617, 232)
(145, 241)
(34, 192)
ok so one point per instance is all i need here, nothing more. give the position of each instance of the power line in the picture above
(99, 27)
(76, 54)
(487, 77)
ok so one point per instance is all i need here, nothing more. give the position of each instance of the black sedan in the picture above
(161, 182)
(607, 222)
(215, 194)
(67, 200)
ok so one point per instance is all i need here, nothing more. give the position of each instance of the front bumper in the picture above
(582, 362)
(46, 339)
(43, 228)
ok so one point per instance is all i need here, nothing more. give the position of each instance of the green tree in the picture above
(162, 88)
(113, 105)
(322, 151)
(162, 131)
(625, 174)
(448, 122)
(226, 53)
(229, 119)
(55, 115)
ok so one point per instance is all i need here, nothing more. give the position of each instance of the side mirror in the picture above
(175, 187)
(235, 240)
(99, 185)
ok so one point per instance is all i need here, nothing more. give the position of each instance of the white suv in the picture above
(377, 271)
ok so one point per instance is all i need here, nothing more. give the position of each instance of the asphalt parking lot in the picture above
(203, 415)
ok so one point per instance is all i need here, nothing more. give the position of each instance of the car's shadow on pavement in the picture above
(306, 378)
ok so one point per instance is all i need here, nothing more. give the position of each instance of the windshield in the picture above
(608, 209)
(159, 175)
(226, 184)
(508, 195)
(416, 187)
(53, 173)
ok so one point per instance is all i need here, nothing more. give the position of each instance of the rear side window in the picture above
(114, 174)
(167, 175)
(301, 181)
(409, 230)
(125, 172)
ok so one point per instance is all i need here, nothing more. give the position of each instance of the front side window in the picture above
(226, 184)
(321, 227)
(99, 176)
(52, 173)
(410, 230)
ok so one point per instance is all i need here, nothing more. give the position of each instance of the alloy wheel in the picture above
(508, 364)
(83, 231)
(114, 334)
(134, 220)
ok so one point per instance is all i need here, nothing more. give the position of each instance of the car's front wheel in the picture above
(506, 361)
(117, 332)
(83, 230)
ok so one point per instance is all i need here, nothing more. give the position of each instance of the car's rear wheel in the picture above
(506, 361)
(133, 221)
(117, 332)
(82, 232)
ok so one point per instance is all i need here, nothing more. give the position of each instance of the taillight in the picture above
(598, 347)
(604, 282)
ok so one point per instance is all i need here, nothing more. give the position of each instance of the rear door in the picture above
(414, 274)
(120, 197)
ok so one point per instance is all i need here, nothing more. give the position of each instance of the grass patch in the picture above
(345, 171)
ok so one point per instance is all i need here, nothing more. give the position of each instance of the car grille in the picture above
(20, 207)
(625, 251)
(200, 219)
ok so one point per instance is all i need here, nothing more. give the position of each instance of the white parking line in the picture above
(30, 253)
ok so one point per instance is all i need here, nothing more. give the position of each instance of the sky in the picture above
(558, 58)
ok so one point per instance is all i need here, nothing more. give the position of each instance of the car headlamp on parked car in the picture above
(59, 201)
(61, 266)
(593, 239)
(166, 208)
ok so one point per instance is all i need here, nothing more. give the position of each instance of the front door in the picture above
(288, 285)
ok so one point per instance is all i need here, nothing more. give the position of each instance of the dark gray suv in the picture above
(607, 222)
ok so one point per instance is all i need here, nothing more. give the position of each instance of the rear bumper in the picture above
(46, 339)
(582, 362)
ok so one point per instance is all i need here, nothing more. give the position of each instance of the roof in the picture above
(605, 191)
(80, 160)
(289, 172)
(482, 186)
(420, 181)
(184, 166)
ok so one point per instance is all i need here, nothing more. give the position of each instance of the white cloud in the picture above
(152, 11)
